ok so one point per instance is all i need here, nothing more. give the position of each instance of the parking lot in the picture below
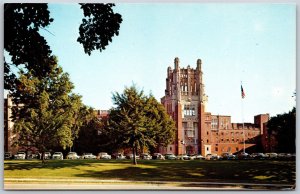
(21, 155)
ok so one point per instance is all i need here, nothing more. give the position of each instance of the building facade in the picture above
(198, 131)
(8, 126)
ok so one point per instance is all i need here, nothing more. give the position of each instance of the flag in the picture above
(242, 92)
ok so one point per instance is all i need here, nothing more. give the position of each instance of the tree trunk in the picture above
(134, 158)
(43, 157)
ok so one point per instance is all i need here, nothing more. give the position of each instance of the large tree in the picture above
(283, 126)
(28, 48)
(139, 121)
(46, 113)
(93, 137)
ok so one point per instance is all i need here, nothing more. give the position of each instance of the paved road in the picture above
(95, 184)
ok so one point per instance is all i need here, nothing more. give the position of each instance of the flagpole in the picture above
(242, 96)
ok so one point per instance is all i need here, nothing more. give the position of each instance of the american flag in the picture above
(242, 92)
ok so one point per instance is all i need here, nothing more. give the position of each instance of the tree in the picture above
(93, 137)
(283, 126)
(139, 121)
(98, 27)
(46, 112)
(25, 45)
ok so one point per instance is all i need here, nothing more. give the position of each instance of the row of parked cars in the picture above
(146, 156)
(246, 156)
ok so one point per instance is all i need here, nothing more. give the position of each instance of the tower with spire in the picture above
(185, 100)
(199, 131)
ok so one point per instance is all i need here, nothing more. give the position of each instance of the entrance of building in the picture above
(207, 149)
(190, 150)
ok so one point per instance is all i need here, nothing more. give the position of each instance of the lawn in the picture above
(266, 172)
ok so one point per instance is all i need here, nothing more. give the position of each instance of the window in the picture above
(170, 148)
(216, 149)
(214, 123)
(189, 110)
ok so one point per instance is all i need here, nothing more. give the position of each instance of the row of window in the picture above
(189, 110)
(227, 149)
(235, 133)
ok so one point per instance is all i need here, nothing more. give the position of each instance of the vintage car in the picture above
(20, 155)
(58, 156)
(72, 156)
(88, 156)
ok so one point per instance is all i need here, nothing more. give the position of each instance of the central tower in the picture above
(185, 100)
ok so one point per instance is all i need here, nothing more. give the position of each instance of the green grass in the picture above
(283, 172)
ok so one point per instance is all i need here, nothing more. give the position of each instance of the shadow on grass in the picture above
(252, 171)
(267, 172)
(52, 164)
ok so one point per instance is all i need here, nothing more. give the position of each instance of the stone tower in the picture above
(185, 100)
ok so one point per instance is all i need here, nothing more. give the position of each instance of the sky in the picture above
(250, 43)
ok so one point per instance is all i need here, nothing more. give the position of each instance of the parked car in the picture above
(271, 155)
(88, 156)
(120, 156)
(243, 156)
(259, 156)
(199, 157)
(191, 157)
(58, 156)
(20, 155)
(146, 156)
(228, 156)
(7, 156)
(33, 156)
(72, 156)
(104, 155)
(213, 157)
(47, 155)
(182, 157)
(158, 156)
(130, 156)
(225, 155)
(170, 157)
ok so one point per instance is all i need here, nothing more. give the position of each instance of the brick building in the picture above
(8, 126)
(102, 114)
(198, 131)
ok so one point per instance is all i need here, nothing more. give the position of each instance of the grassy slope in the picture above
(223, 171)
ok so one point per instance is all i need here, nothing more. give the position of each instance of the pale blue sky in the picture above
(255, 43)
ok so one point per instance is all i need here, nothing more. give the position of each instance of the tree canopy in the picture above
(27, 47)
(283, 126)
(139, 121)
(46, 113)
